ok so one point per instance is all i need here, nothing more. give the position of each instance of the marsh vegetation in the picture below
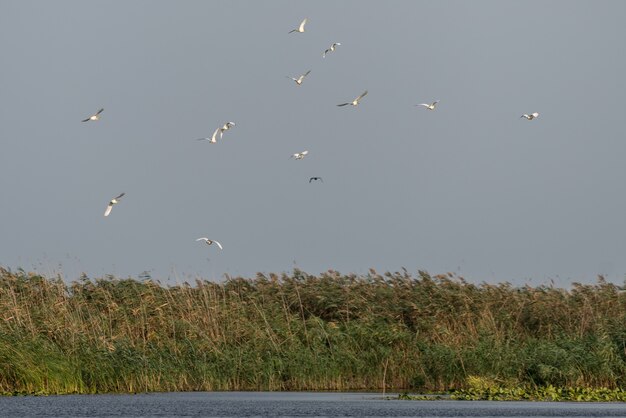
(296, 331)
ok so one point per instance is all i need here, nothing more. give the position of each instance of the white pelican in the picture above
(113, 201)
(209, 241)
(316, 178)
(429, 106)
(531, 116)
(331, 49)
(300, 79)
(355, 102)
(300, 28)
(94, 117)
(299, 155)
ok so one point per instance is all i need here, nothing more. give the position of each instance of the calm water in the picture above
(249, 404)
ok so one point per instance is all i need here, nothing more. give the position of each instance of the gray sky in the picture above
(469, 188)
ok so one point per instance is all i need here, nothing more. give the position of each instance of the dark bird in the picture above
(316, 178)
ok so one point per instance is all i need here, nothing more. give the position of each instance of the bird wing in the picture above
(120, 195)
(301, 28)
(202, 239)
(361, 96)
(343, 104)
(305, 74)
(87, 120)
(304, 152)
(423, 104)
(311, 179)
(99, 111)
(108, 210)
(325, 52)
(213, 138)
(218, 244)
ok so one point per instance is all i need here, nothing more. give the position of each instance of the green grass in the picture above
(303, 332)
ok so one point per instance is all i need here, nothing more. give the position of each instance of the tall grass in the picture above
(302, 332)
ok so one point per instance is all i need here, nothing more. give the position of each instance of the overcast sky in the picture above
(469, 188)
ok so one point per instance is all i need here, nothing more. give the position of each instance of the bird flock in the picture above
(220, 130)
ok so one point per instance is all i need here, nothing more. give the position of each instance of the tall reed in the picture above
(296, 331)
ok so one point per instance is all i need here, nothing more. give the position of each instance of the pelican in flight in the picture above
(355, 102)
(531, 116)
(299, 155)
(316, 178)
(94, 117)
(210, 241)
(331, 49)
(429, 106)
(113, 201)
(300, 28)
(300, 79)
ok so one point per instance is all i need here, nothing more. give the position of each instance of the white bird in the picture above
(113, 201)
(300, 79)
(219, 130)
(226, 127)
(300, 28)
(209, 241)
(331, 49)
(94, 117)
(531, 116)
(213, 138)
(299, 155)
(429, 106)
(355, 102)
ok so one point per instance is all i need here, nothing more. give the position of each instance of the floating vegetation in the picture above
(295, 331)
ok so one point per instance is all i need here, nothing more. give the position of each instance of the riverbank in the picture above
(293, 332)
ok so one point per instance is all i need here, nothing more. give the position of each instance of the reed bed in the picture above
(296, 331)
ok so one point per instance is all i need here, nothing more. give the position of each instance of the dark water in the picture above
(249, 404)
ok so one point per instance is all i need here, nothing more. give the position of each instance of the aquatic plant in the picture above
(297, 331)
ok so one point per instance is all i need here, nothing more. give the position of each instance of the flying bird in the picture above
(531, 116)
(355, 102)
(113, 201)
(210, 241)
(300, 28)
(331, 49)
(299, 155)
(316, 178)
(226, 127)
(213, 138)
(220, 131)
(300, 79)
(94, 117)
(429, 106)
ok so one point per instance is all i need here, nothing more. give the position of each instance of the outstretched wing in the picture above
(344, 104)
(301, 28)
(213, 138)
(361, 96)
(100, 111)
(120, 195)
(108, 210)
(218, 244)
(205, 239)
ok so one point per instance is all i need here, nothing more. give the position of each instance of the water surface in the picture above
(288, 404)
